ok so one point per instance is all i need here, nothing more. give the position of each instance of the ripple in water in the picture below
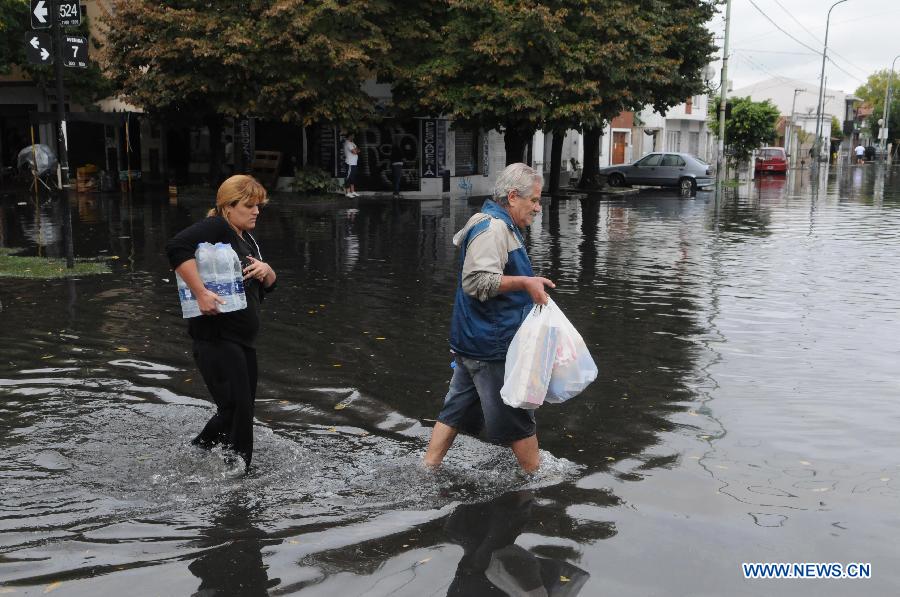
(101, 452)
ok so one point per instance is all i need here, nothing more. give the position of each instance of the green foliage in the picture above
(301, 62)
(561, 64)
(836, 128)
(13, 24)
(13, 266)
(872, 92)
(750, 126)
(313, 180)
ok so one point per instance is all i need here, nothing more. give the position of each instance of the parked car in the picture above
(680, 170)
(772, 160)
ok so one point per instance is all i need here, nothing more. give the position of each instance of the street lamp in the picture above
(819, 106)
(888, 96)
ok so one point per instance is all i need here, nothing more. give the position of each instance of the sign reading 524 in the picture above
(69, 13)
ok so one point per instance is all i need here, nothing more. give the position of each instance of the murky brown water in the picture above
(746, 409)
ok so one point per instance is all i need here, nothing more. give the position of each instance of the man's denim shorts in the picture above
(473, 404)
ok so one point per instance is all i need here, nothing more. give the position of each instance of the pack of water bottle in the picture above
(221, 272)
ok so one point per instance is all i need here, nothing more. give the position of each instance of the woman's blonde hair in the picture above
(239, 188)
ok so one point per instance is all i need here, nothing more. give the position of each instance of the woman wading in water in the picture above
(224, 343)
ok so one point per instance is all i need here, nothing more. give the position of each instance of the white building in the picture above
(796, 102)
(682, 129)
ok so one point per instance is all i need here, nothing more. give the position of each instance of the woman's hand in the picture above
(257, 269)
(209, 302)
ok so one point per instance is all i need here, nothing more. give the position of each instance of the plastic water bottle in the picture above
(229, 284)
(220, 270)
(189, 306)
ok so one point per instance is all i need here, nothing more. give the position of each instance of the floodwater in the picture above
(746, 409)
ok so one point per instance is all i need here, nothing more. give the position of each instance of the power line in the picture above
(813, 35)
(802, 26)
(777, 26)
(757, 50)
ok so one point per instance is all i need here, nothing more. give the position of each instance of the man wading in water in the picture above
(496, 290)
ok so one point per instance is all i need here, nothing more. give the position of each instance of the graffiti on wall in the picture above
(375, 143)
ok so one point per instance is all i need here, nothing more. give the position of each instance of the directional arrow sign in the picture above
(38, 48)
(74, 51)
(69, 13)
(40, 14)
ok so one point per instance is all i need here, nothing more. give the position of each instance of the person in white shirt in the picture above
(860, 152)
(351, 157)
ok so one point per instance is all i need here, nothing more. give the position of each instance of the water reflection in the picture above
(746, 383)
(492, 563)
(231, 562)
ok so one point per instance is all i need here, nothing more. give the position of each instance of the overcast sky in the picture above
(862, 39)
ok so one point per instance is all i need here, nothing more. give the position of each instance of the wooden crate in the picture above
(265, 167)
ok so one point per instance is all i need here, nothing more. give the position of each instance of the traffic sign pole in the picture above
(60, 92)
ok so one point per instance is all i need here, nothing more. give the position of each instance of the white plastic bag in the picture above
(546, 361)
(529, 360)
(574, 368)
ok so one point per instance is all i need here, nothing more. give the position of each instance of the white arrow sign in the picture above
(40, 11)
(35, 43)
(44, 54)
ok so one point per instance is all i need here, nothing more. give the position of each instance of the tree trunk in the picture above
(556, 160)
(515, 140)
(590, 177)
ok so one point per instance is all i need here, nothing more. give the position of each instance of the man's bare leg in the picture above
(442, 437)
(526, 451)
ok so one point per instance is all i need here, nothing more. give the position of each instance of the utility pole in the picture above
(888, 96)
(789, 137)
(720, 157)
(817, 145)
(56, 29)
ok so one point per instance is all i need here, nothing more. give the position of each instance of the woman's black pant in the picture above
(229, 370)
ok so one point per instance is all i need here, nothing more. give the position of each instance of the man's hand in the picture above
(534, 286)
(209, 302)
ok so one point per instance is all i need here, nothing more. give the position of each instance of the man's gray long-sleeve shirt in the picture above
(486, 256)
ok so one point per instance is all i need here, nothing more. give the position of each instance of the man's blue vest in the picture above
(484, 330)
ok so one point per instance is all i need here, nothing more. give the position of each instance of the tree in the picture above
(517, 65)
(749, 126)
(872, 92)
(659, 61)
(488, 65)
(190, 61)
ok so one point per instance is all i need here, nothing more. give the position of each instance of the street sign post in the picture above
(69, 14)
(38, 47)
(40, 14)
(74, 51)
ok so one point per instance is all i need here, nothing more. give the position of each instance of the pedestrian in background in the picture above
(396, 164)
(229, 155)
(496, 290)
(351, 158)
(224, 344)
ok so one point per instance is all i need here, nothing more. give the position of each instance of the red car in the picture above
(771, 159)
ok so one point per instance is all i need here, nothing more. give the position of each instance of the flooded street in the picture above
(746, 408)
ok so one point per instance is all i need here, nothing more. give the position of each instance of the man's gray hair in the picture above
(515, 177)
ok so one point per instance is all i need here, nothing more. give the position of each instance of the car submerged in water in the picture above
(682, 171)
